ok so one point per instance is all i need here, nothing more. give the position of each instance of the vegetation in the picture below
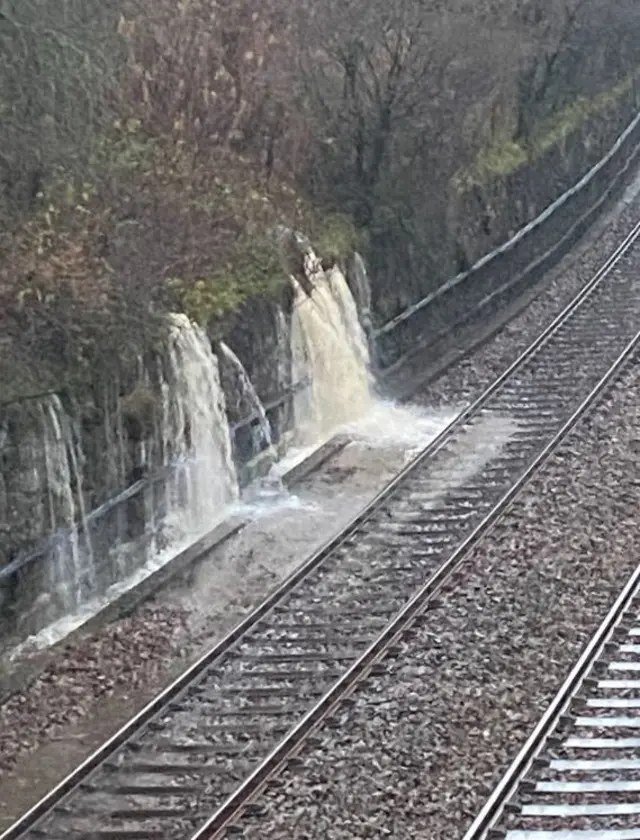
(507, 154)
(148, 148)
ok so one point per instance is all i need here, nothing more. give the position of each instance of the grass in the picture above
(506, 155)
(336, 237)
(153, 229)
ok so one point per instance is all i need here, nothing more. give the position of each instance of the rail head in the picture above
(485, 822)
(235, 636)
(215, 827)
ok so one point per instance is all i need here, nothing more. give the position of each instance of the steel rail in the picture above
(493, 809)
(219, 822)
(231, 641)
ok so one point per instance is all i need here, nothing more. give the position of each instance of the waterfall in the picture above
(329, 347)
(71, 574)
(284, 350)
(195, 434)
(363, 290)
(263, 438)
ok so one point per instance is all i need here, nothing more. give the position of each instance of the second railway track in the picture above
(578, 775)
(190, 759)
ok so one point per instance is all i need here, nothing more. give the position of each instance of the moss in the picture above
(254, 269)
(336, 237)
(257, 267)
(153, 228)
(506, 155)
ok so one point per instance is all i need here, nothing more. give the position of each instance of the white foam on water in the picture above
(251, 397)
(265, 503)
(195, 433)
(329, 348)
(397, 426)
(62, 627)
(71, 567)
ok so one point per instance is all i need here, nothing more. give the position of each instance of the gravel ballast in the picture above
(469, 377)
(68, 687)
(98, 682)
(423, 745)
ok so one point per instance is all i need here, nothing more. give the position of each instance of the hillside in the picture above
(148, 149)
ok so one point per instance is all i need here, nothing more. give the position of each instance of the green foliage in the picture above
(254, 269)
(123, 148)
(204, 298)
(257, 266)
(337, 237)
(558, 128)
(146, 149)
(497, 160)
(506, 155)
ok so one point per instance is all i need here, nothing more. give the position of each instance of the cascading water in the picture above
(192, 441)
(71, 574)
(328, 346)
(363, 291)
(284, 349)
(263, 438)
(195, 433)
(353, 330)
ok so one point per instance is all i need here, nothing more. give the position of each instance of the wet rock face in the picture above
(21, 494)
(111, 461)
(481, 219)
(59, 460)
(24, 517)
(260, 336)
(102, 462)
(115, 440)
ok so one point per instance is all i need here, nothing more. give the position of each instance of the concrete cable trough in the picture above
(191, 760)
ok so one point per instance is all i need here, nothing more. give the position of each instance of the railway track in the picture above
(578, 775)
(191, 759)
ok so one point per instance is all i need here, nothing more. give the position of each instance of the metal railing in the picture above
(112, 507)
(530, 252)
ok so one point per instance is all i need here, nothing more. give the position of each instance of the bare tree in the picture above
(58, 60)
(368, 69)
(403, 95)
(199, 123)
(548, 31)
